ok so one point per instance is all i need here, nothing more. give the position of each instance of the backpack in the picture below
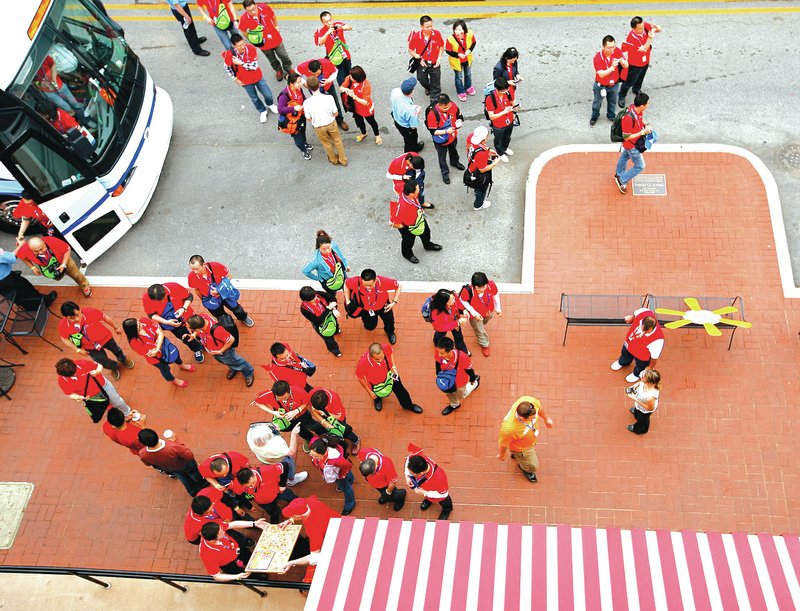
(485, 99)
(425, 310)
(616, 126)
(438, 139)
(226, 322)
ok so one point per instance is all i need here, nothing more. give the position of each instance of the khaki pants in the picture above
(480, 331)
(527, 460)
(460, 394)
(73, 271)
(331, 138)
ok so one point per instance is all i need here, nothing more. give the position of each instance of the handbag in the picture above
(309, 368)
(446, 380)
(384, 389)
(415, 62)
(329, 326)
(96, 406)
(418, 228)
(335, 282)
(169, 352)
(227, 291)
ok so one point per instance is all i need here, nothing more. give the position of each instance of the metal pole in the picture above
(173, 584)
(92, 579)
(254, 589)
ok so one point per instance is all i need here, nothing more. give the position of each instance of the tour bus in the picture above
(83, 129)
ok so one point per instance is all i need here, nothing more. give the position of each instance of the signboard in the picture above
(273, 549)
(650, 184)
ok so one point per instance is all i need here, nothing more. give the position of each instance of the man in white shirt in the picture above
(321, 111)
(266, 443)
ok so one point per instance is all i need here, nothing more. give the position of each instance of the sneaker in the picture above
(361, 137)
(129, 363)
(248, 381)
(248, 322)
(622, 188)
(87, 291)
(485, 350)
(279, 75)
(504, 158)
(509, 152)
(231, 374)
(462, 97)
(592, 122)
(309, 147)
(297, 479)
(631, 377)
(471, 91)
(306, 155)
(486, 204)
(263, 117)
(115, 374)
(378, 140)
(615, 366)
(273, 109)
(198, 356)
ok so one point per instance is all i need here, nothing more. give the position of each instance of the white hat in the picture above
(480, 134)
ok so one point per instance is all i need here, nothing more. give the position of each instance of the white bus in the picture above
(83, 129)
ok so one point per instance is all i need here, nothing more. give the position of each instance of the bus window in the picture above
(91, 233)
(48, 171)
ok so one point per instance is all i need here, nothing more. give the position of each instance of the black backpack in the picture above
(616, 126)
(226, 322)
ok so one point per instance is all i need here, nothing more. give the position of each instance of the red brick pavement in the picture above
(720, 454)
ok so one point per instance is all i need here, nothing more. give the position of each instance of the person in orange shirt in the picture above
(357, 98)
(519, 433)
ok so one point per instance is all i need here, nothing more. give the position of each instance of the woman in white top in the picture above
(645, 400)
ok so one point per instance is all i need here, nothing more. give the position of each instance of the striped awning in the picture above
(374, 564)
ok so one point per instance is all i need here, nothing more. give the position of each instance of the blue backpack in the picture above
(425, 310)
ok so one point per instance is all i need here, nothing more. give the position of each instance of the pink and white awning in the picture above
(419, 565)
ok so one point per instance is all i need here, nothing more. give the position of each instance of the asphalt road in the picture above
(239, 192)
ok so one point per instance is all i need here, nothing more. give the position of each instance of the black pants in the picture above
(330, 342)
(27, 297)
(330, 91)
(238, 311)
(371, 322)
(634, 81)
(458, 338)
(408, 239)
(343, 70)
(362, 127)
(626, 357)
(402, 395)
(642, 424)
(182, 333)
(101, 357)
(502, 138)
(431, 78)
(411, 143)
(349, 433)
(447, 504)
(443, 151)
(272, 508)
(305, 422)
(190, 33)
(388, 497)
(191, 479)
(301, 548)
(165, 370)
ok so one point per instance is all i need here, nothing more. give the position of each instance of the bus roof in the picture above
(14, 42)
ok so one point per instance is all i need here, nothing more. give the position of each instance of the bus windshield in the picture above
(74, 76)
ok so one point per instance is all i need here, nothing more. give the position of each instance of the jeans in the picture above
(235, 362)
(371, 322)
(278, 58)
(346, 486)
(625, 359)
(190, 478)
(431, 79)
(300, 139)
(164, 368)
(442, 151)
(597, 100)
(115, 399)
(262, 87)
(100, 356)
(289, 465)
(463, 82)
(64, 99)
(420, 180)
(502, 138)
(225, 35)
(638, 164)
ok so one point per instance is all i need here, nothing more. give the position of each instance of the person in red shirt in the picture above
(448, 313)
(358, 90)
(220, 15)
(314, 515)
(169, 304)
(219, 343)
(427, 45)
(124, 433)
(205, 278)
(443, 121)
(331, 35)
(51, 258)
(288, 406)
(266, 485)
(222, 556)
(427, 478)
(329, 401)
(207, 507)
(83, 381)
(56, 90)
(84, 332)
(609, 66)
(219, 471)
(241, 64)
(324, 70)
(28, 211)
(368, 296)
(408, 166)
(260, 26)
(146, 337)
(172, 458)
(378, 375)
(643, 343)
(502, 106)
(329, 457)
(634, 130)
(292, 118)
(287, 365)
(481, 160)
(407, 216)
(329, 419)
(455, 375)
(380, 473)
(483, 299)
(323, 315)
(638, 45)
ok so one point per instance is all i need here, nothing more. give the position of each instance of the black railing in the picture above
(170, 579)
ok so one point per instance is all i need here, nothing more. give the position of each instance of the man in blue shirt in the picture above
(180, 10)
(26, 295)
(406, 115)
